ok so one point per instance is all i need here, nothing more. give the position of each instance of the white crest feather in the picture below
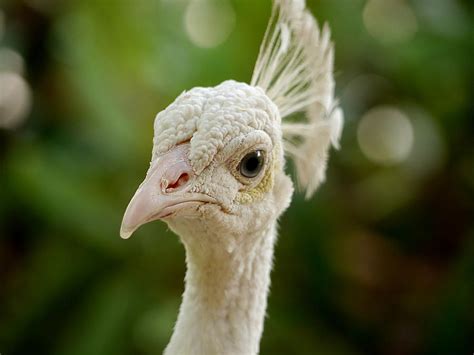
(295, 68)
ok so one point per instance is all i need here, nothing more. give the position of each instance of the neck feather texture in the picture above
(225, 296)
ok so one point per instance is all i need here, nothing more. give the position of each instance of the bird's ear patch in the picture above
(295, 69)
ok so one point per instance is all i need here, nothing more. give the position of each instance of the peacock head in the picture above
(218, 153)
(217, 163)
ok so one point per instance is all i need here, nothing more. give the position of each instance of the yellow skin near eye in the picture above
(258, 191)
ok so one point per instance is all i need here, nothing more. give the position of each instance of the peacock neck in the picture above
(225, 295)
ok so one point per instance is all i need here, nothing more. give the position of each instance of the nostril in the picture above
(175, 176)
(181, 181)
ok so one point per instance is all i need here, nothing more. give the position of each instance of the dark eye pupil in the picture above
(251, 164)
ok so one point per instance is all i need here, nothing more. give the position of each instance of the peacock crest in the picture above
(295, 69)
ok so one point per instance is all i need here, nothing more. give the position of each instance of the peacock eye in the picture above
(251, 164)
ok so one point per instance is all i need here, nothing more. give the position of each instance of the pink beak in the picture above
(163, 192)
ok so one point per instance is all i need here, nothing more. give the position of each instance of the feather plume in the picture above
(295, 69)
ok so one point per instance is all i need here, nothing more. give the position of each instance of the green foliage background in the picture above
(381, 261)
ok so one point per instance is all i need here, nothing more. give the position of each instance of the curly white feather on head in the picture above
(210, 117)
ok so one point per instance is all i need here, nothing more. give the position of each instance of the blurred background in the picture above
(381, 261)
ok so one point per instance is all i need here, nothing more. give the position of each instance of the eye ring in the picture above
(252, 164)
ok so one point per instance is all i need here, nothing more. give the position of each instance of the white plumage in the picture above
(217, 179)
(295, 69)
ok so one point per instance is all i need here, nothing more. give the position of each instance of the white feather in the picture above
(295, 69)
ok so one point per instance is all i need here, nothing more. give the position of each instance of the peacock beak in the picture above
(164, 192)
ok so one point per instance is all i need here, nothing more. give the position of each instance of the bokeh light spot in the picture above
(15, 99)
(390, 21)
(11, 60)
(209, 23)
(428, 154)
(385, 135)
